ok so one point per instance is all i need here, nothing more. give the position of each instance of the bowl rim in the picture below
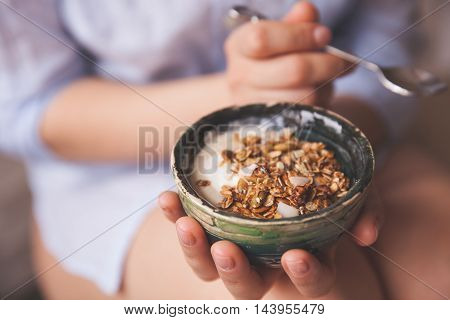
(356, 190)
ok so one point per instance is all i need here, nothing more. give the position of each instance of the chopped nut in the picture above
(311, 206)
(242, 186)
(298, 181)
(282, 147)
(257, 200)
(334, 187)
(277, 192)
(302, 169)
(298, 153)
(226, 191)
(226, 202)
(269, 201)
(320, 181)
(280, 165)
(242, 154)
(275, 154)
(260, 210)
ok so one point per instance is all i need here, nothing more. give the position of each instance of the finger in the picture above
(308, 95)
(289, 71)
(270, 38)
(196, 248)
(171, 205)
(302, 11)
(243, 281)
(366, 229)
(311, 277)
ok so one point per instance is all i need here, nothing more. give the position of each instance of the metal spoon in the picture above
(405, 81)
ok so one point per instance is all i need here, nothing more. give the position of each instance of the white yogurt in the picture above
(206, 166)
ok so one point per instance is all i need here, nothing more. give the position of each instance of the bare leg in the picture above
(155, 269)
(415, 194)
(54, 281)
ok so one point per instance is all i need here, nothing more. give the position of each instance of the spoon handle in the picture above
(352, 58)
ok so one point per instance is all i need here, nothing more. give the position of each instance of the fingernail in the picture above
(322, 35)
(167, 210)
(298, 268)
(224, 263)
(376, 231)
(185, 237)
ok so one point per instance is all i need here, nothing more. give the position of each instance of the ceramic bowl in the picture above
(264, 241)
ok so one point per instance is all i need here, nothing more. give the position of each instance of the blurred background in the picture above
(431, 131)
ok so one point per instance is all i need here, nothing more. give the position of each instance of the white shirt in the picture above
(142, 41)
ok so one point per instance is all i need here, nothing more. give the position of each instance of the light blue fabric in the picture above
(139, 41)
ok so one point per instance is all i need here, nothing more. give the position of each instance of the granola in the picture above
(281, 177)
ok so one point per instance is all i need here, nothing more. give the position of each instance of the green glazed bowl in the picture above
(264, 241)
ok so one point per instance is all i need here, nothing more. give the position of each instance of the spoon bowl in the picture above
(409, 81)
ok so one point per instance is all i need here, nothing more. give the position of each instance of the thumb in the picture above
(302, 11)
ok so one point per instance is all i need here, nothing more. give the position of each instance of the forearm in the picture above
(94, 119)
(98, 120)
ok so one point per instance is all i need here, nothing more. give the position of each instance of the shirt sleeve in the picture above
(37, 59)
(374, 30)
